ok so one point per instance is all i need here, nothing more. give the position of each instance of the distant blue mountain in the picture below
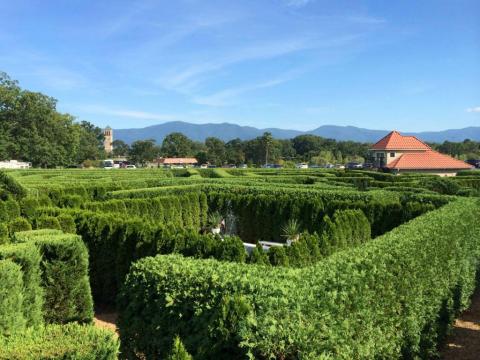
(227, 131)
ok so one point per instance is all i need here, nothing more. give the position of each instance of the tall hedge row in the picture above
(389, 298)
(114, 243)
(64, 275)
(187, 210)
(262, 216)
(28, 257)
(11, 298)
(11, 185)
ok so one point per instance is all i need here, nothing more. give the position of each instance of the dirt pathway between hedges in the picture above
(106, 319)
(464, 342)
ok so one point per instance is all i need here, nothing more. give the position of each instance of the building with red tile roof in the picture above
(169, 162)
(398, 153)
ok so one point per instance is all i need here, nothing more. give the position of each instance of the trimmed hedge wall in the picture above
(11, 298)
(389, 298)
(114, 244)
(262, 216)
(60, 342)
(64, 271)
(27, 256)
(11, 185)
(187, 210)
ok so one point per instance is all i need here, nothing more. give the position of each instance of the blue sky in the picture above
(410, 65)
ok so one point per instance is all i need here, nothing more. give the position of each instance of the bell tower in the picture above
(108, 139)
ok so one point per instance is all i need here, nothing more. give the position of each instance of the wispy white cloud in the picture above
(127, 113)
(180, 79)
(226, 96)
(474, 109)
(185, 80)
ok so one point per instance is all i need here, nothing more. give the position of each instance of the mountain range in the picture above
(227, 131)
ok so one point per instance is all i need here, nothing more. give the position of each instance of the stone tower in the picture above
(108, 139)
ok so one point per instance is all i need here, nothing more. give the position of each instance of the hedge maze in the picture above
(305, 264)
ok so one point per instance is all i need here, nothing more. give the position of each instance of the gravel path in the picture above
(464, 342)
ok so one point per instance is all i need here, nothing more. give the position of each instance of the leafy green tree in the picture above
(267, 142)
(176, 145)
(31, 129)
(120, 148)
(215, 151)
(91, 142)
(143, 151)
(201, 157)
(234, 151)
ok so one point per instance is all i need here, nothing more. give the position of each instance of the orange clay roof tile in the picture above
(427, 160)
(396, 141)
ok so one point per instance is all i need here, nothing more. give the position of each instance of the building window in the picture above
(392, 154)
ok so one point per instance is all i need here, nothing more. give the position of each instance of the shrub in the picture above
(258, 256)
(11, 298)
(278, 256)
(73, 201)
(178, 351)
(28, 206)
(389, 298)
(67, 223)
(440, 185)
(11, 185)
(28, 258)
(47, 222)
(60, 342)
(18, 224)
(12, 209)
(230, 249)
(64, 269)
(4, 239)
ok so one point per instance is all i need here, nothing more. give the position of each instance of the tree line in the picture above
(260, 150)
(265, 149)
(31, 129)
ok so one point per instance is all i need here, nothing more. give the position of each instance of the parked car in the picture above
(473, 162)
(339, 166)
(130, 167)
(302, 166)
(243, 166)
(354, 165)
(368, 165)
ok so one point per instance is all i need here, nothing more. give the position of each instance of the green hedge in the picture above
(262, 216)
(186, 210)
(64, 269)
(11, 185)
(18, 224)
(9, 210)
(60, 342)
(11, 298)
(389, 298)
(114, 243)
(27, 256)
